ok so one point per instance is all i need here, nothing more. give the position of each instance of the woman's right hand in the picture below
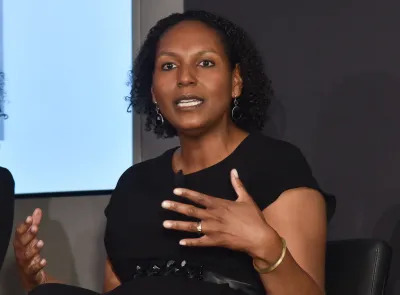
(27, 249)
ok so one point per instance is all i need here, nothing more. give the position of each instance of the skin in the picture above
(27, 251)
(191, 60)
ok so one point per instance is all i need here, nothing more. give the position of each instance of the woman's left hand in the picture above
(237, 225)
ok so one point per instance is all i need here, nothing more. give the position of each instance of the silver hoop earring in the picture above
(236, 114)
(159, 117)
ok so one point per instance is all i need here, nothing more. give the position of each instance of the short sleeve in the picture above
(286, 168)
(293, 171)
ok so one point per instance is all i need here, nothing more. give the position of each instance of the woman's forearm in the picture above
(288, 278)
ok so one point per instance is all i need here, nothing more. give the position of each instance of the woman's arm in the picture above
(111, 280)
(299, 216)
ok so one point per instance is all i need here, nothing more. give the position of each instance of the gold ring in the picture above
(198, 227)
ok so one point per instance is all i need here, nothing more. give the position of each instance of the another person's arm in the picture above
(31, 264)
(7, 210)
(111, 280)
(27, 249)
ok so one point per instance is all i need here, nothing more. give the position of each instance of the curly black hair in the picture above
(256, 93)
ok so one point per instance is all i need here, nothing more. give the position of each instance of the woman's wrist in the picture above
(268, 249)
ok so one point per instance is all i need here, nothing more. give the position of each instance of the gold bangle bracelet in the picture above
(276, 264)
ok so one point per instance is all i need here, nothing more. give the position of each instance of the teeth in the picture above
(188, 100)
(189, 103)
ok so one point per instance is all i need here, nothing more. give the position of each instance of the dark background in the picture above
(335, 68)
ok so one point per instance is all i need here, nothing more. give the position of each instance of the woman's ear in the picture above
(237, 82)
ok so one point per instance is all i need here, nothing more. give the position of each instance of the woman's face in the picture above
(193, 82)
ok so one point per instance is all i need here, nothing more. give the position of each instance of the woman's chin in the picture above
(199, 126)
(192, 129)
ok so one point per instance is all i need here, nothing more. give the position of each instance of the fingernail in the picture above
(28, 219)
(33, 229)
(182, 243)
(166, 204)
(43, 261)
(39, 244)
(167, 224)
(178, 191)
(235, 173)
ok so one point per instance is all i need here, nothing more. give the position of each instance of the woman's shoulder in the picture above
(279, 164)
(274, 150)
(145, 169)
(138, 177)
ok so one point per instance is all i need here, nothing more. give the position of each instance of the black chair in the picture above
(6, 210)
(357, 267)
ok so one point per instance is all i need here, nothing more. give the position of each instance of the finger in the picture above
(23, 252)
(29, 235)
(37, 216)
(24, 226)
(188, 210)
(40, 277)
(36, 265)
(33, 249)
(181, 225)
(204, 241)
(197, 197)
(207, 227)
(28, 230)
(239, 188)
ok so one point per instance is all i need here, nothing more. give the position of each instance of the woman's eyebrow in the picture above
(167, 53)
(206, 51)
(173, 54)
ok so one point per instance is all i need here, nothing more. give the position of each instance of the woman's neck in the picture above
(199, 152)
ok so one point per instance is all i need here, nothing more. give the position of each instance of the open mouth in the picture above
(189, 102)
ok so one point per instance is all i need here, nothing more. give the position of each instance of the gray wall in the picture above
(154, 10)
(72, 227)
(335, 68)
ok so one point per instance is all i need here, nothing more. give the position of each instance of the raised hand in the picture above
(238, 225)
(27, 249)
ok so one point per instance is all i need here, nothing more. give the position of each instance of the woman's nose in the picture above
(186, 77)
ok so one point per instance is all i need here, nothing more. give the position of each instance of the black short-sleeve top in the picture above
(134, 232)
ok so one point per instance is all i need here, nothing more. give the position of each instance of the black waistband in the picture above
(197, 272)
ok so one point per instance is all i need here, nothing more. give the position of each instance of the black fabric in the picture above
(60, 289)
(7, 210)
(357, 267)
(134, 234)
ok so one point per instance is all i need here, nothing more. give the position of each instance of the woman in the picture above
(240, 213)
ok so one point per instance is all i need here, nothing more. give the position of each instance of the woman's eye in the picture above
(206, 63)
(168, 66)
